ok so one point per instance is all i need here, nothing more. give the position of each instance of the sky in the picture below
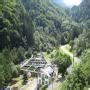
(68, 3)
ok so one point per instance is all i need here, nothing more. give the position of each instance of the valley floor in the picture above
(32, 84)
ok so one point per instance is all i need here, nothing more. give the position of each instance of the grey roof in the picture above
(47, 71)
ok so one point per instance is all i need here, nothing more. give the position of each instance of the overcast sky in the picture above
(68, 3)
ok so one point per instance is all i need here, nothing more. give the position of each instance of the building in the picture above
(37, 61)
(34, 64)
(46, 75)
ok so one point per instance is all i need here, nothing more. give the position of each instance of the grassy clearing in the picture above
(67, 47)
(48, 56)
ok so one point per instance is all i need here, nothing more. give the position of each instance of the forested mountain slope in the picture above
(16, 33)
(40, 23)
(80, 77)
(81, 13)
(14, 30)
(35, 25)
(52, 25)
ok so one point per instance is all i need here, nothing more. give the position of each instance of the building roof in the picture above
(47, 71)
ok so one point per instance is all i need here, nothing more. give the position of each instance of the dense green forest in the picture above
(51, 23)
(81, 13)
(41, 25)
(80, 77)
(16, 35)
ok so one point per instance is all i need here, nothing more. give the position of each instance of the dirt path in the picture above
(67, 52)
(75, 60)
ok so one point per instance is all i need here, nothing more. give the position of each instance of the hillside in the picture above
(81, 13)
(16, 35)
(51, 23)
(14, 30)
(42, 24)
(30, 26)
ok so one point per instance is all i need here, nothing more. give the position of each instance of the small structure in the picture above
(45, 75)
